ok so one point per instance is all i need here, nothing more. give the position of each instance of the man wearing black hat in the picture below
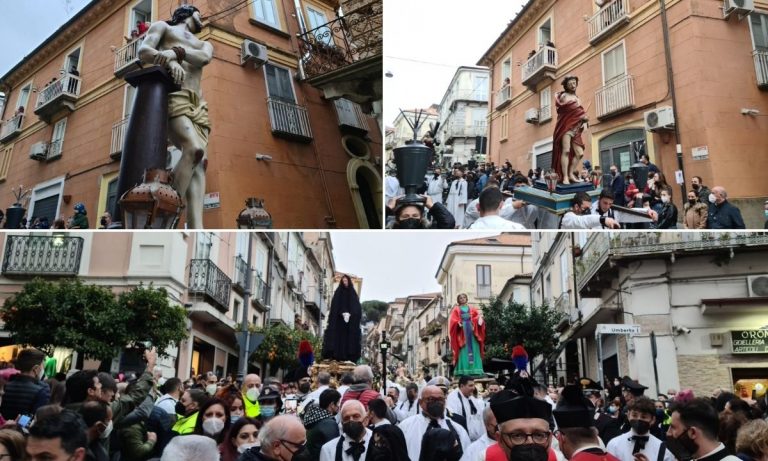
(630, 390)
(607, 427)
(576, 432)
(639, 443)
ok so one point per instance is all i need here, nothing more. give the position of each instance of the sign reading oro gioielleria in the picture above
(749, 341)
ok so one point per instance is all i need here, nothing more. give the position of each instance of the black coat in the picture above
(319, 433)
(441, 217)
(667, 217)
(724, 216)
(342, 340)
(618, 190)
(23, 396)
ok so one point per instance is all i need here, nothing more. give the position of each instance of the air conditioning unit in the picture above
(253, 52)
(758, 286)
(39, 151)
(659, 119)
(532, 115)
(740, 7)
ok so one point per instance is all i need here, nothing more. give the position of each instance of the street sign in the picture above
(211, 200)
(700, 153)
(617, 329)
(749, 341)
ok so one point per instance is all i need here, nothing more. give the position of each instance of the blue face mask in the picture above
(233, 419)
(267, 412)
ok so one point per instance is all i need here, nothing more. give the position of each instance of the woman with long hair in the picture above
(213, 420)
(242, 436)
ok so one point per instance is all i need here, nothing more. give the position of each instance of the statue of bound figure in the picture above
(172, 44)
(567, 144)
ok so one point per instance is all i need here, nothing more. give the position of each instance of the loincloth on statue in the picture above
(187, 103)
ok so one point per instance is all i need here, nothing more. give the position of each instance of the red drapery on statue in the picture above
(568, 117)
(456, 332)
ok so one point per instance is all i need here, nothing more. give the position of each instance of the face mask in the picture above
(664, 199)
(612, 409)
(233, 419)
(304, 388)
(180, 409)
(107, 431)
(252, 394)
(104, 221)
(692, 202)
(267, 412)
(682, 447)
(695, 186)
(613, 173)
(529, 452)
(211, 389)
(213, 426)
(410, 223)
(712, 198)
(671, 396)
(246, 446)
(586, 211)
(354, 429)
(640, 427)
(435, 409)
(659, 414)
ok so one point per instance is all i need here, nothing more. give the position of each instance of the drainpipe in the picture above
(671, 85)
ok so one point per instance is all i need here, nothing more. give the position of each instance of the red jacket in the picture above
(495, 453)
(364, 396)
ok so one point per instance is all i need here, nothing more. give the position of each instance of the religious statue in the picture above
(567, 145)
(172, 45)
(341, 340)
(466, 328)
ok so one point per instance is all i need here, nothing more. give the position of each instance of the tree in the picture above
(513, 323)
(90, 318)
(280, 347)
(374, 310)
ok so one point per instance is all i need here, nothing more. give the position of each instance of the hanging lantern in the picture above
(254, 216)
(153, 204)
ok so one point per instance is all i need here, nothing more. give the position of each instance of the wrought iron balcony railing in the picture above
(241, 273)
(610, 17)
(207, 279)
(479, 94)
(261, 292)
(127, 57)
(54, 149)
(42, 255)
(545, 113)
(615, 97)
(541, 65)
(289, 120)
(62, 93)
(459, 130)
(503, 97)
(354, 37)
(118, 135)
(11, 127)
(761, 68)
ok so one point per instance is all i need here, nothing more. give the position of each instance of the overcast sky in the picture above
(425, 41)
(392, 263)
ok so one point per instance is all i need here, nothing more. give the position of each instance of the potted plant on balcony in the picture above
(15, 213)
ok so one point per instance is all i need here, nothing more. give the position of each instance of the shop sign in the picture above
(749, 341)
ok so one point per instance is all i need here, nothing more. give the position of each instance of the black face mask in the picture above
(682, 447)
(410, 223)
(354, 429)
(180, 409)
(301, 454)
(435, 409)
(437, 175)
(641, 427)
(304, 388)
(104, 222)
(528, 452)
(695, 186)
(692, 202)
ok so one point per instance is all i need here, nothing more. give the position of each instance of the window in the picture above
(279, 84)
(504, 125)
(241, 244)
(759, 25)
(564, 279)
(479, 115)
(480, 87)
(45, 199)
(316, 18)
(483, 281)
(506, 70)
(614, 64)
(266, 12)
(236, 310)
(112, 196)
(622, 148)
(57, 140)
(545, 32)
(141, 12)
(130, 99)
(545, 99)
(5, 162)
(542, 154)
(203, 245)
(23, 97)
(72, 62)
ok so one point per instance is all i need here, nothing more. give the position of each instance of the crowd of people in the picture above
(92, 415)
(481, 196)
(78, 220)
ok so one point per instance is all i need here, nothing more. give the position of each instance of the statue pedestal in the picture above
(558, 202)
(334, 368)
(146, 139)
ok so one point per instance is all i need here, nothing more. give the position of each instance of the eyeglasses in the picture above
(519, 438)
(298, 446)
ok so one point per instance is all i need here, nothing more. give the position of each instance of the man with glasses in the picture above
(283, 438)
(431, 415)
(577, 434)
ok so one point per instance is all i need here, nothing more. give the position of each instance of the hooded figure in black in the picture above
(342, 337)
(388, 444)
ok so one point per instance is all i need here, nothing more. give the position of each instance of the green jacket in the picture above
(134, 443)
(80, 221)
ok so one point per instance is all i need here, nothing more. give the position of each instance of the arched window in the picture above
(365, 187)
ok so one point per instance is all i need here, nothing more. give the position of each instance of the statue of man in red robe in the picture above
(567, 145)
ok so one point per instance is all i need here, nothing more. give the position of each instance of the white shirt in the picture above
(476, 450)
(621, 447)
(383, 422)
(435, 188)
(391, 187)
(405, 409)
(495, 222)
(573, 221)
(167, 403)
(328, 451)
(313, 398)
(414, 428)
(458, 404)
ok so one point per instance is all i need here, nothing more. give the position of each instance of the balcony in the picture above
(761, 68)
(58, 96)
(563, 304)
(54, 149)
(260, 298)
(539, 67)
(289, 120)
(11, 128)
(465, 131)
(118, 135)
(350, 115)
(127, 58)
(615, 97)
(609, 18)
(503, 97)
(27, 255)
(475, 95)
(344, 42)
(545, 114)
(241, 275)
(208, 280)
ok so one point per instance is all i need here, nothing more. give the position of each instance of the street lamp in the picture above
(153, 204)
(384, 347)
(254, 216)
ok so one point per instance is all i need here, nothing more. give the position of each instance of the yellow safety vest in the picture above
(185, 425)
(252, 410)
